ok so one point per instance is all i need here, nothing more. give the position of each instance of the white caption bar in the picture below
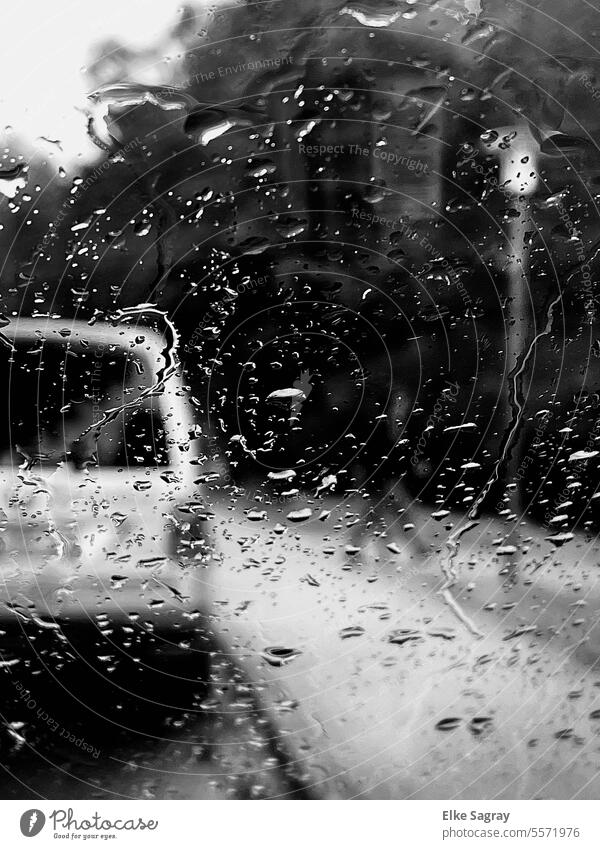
(291, 824)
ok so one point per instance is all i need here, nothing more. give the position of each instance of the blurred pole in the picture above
(517, 155)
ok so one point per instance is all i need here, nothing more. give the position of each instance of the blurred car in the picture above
(97, 501)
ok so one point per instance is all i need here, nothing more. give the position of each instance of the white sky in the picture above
(45, 46)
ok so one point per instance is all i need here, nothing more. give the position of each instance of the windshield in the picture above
(365, 236)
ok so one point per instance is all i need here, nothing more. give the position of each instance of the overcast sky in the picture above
(47, 44)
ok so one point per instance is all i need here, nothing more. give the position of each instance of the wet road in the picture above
(386, 693)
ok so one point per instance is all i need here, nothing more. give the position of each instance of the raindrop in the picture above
(371, 18)
(352, 631)
(279, 655)
(448, 724)
(300, 515)
(479, 724)
(404, 635)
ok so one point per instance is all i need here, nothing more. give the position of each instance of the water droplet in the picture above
(479, 724)
(401, 636)
(300, 515)
(352, 631)
(371, 18)
(448, 724)
(582, 455)
(284, 475)
(279, 655)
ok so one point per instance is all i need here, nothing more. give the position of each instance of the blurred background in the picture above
(426, 249)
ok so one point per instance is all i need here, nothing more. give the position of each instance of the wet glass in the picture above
(56, 397)
(365, 238)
